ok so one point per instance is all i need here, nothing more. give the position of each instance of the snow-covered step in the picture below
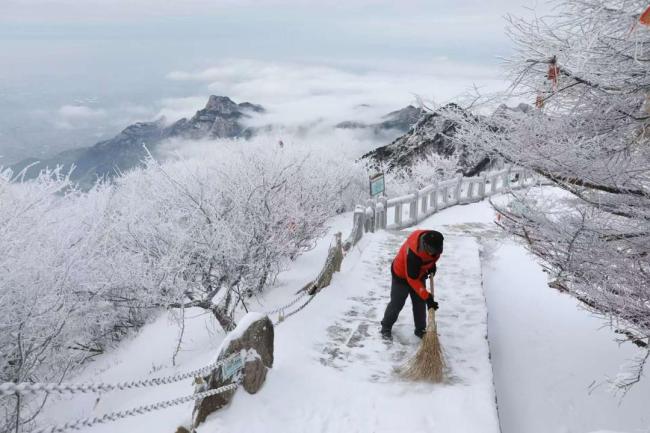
(333, 372)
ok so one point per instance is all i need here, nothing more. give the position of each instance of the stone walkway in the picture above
(354, 339)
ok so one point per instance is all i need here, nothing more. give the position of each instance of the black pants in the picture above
(399, 291)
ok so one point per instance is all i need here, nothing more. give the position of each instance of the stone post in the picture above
(254, 344)
(398, 215)
(413, 207)
(481, 187)
(380, 215)
(459, 186)
(425, 204)
(434, 198)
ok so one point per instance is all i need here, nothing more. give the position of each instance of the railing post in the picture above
(434, 197)
(380, 214)
(413, 207)
(339, 252)
(425, 204)
(370, 216)
(370, 219)
(459, 185)
(384, 219)
(481, 186)
(398, 215)
(498, 188)
(506, 179)
(359, 223)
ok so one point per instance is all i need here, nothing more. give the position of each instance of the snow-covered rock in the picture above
(253, 340)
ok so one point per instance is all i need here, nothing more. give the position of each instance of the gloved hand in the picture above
(432, 271)
(431, 303)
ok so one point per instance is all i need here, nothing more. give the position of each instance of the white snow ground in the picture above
(332, 372)
(551, 358)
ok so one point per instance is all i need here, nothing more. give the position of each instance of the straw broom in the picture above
(428, 364)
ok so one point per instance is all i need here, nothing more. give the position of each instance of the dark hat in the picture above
(432, 242)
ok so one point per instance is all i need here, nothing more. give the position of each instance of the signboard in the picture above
(377, 185)
(233, 364)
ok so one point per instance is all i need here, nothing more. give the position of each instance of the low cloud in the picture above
(79, 112)
(300, 98)
(342, 144)
(297, 94)
(77, 116)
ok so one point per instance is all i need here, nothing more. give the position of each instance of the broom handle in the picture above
(431, 286)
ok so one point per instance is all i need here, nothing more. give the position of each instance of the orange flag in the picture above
(645, 17)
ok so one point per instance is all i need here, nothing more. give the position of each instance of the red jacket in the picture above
(413, 265)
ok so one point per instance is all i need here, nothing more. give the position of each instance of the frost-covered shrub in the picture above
(422, 173)
(211, 229)
(52, 241)
(212, 232)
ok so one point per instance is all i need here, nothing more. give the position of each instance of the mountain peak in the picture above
(222, 104)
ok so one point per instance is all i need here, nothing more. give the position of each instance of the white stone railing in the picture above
(406, 211)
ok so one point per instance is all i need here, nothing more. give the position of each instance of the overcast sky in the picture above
(76, 71)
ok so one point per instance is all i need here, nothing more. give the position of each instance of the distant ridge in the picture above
(221, 118)
(433, 134)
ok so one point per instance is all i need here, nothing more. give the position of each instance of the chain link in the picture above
(11, 388)
(284, 307)
(114, 416)
(283, 316)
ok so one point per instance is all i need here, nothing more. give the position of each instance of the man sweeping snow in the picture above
(415, 261)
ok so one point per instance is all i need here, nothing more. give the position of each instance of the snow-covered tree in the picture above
(420, 174)
(49, 258)
(214, 232)
(79, 270)
(588, 69)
